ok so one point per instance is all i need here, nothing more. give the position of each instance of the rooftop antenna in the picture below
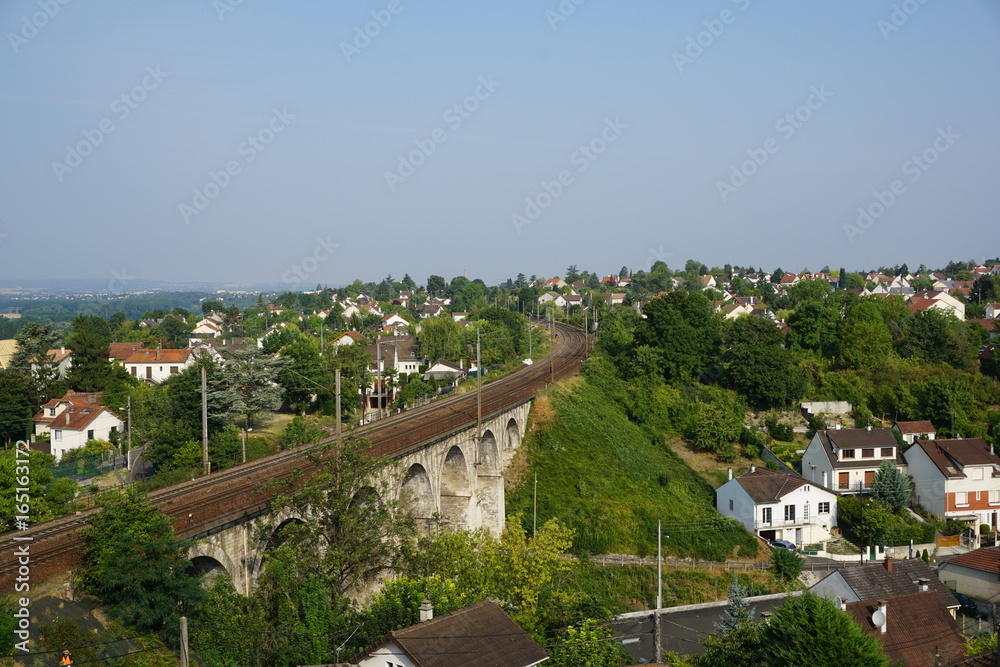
(878, 618)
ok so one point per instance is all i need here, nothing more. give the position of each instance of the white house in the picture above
(157, 365)
(973, 573)
(480, 634)
(444, 370)
(845, 460)
(70, 421)
(957, 479)
(60, 360)
(910, 432)
(393, 323)
(992, 311)
(350, 338)
(779, 506)
(553, 297)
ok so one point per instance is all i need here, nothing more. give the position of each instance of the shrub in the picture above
(752, 443)
(985, 529)
(926, 557)
(787, 564)
(778, 430)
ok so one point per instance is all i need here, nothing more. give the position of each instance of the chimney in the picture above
(157, 354)
(730, 473)
(868, 428)
(62, 350)
(922, 585)
(888, 564)
(843, 604)
(753, 468)
(426, 611)
(67, 416)
(837, 427)
(882, 608)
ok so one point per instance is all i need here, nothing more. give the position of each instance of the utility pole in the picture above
(530, 337)
(205, 465)
(479, 389)
(658, 638)
(378, 368)
(337, 375)
(129, 423)
(184, 641)
(534, 508)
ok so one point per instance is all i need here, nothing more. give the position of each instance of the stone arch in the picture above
(512, 434)
(456, 487)
(365, 496)
(489, 454)
(416, 493)
(213, 560)
(263, 541)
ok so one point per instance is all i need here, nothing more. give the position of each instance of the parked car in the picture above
(969, 605)
(781, 544)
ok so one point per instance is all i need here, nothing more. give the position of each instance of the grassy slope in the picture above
(611, 479)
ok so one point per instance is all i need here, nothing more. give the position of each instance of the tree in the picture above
(20, 400)
(48, 497)
(436, 285)
(682, 327)
(738, 610)
(90, 370)
(891, 486)
(246, 383)
(352, 531)
(760, 367)
(441, 338)
(787, 564)
(213, 305)
(588, 644)
(134, 564)
(34, 340)
(805, 630)
(865, 340)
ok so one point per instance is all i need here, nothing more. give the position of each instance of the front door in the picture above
(869, 478)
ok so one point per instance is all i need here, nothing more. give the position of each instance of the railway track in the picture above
(209, 502)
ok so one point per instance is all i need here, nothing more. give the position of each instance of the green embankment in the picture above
(611, 479)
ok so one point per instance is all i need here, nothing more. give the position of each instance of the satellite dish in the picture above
(878, 618)
(839, 602)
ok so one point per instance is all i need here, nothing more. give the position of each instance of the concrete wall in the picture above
(983, 585)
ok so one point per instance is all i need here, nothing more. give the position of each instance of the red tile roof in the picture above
(159, 356)
(918, 627)
(910, 428)
(123, 350)
(987, 559)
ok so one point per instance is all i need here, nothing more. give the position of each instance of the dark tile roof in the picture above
(984, 659)
(870, 582)
(950, 456)
(859, 438)
(480, 635)
(917, 627)
(987, 559)
(769, 486)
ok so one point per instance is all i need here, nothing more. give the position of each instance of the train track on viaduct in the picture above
(211, 502)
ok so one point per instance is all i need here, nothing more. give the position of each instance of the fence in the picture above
(948, 540)
(86, 467)
(810, 565)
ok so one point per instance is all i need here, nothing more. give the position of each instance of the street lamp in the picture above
(246, 429)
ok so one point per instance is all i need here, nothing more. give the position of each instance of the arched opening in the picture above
(209, 568)
(456, 489)
(489, 484)
(416, 495)
(489, 454)
(513, 436)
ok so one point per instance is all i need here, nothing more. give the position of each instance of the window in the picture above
(90, 434)
(173, 369)
(844, 480)
(887, 453)
(869, 478)
(765, 516)
(848, 454)
(52, 412)
(114, 429)
(730, 504)
(806, 488)
(58, 435)
(868, 453)
(133, 371)
(824, 508)
(961, 498)
(977, 473)
(789, 512)
(994, 497)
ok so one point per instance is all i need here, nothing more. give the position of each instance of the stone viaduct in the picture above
(459, 478)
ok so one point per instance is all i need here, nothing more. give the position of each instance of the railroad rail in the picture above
(207, 503)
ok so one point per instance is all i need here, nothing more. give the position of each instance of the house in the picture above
(779, 506)
(393, 324)
(973, 573)
(7, 349)
(846, 459)
(957, 479)
(459, 315)
(925, 299)
(911, 431)
(157, 365)
(430, 310)
(444, 370)
(992, 311)
(614, 298)
(553, 297)
(350, 338)
(480, 635)
(207, 327)
(555, 283)
(573, 300)
(884, 579)
(731, 311)
(70, 421)
(678, 282)
(59, 360)
(119, 352)
(915, 630)
(401, 353)
(707, 282)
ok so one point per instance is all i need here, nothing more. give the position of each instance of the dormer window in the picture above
(868, 453)
(848, 454)
(887, 453)
(52, 412)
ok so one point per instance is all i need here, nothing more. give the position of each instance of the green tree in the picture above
(738, 610)
(134, 564)
(588, 644)
(787, 564)
(865, 340)
(441, 338)
(891, 486)
(682, 327)
(436, 285)
(20, 400)
(90, 369)
(352, 531)
(760, 367)
(46, 496)
(247, 383)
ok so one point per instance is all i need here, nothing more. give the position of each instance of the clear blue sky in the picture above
(676, 119)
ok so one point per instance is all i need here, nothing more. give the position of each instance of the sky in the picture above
(255, 141)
